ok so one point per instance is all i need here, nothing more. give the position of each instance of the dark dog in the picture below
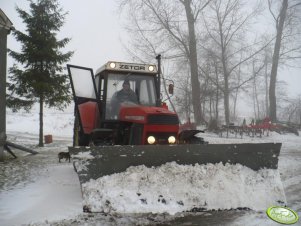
(64, 155)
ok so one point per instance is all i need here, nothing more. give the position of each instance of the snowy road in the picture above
(37, 190)
(36, 187)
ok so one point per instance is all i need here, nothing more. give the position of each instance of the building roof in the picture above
(5, 22)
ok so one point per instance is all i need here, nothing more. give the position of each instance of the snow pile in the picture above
(175, 188)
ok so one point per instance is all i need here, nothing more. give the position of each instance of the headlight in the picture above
(171, 140)
(112, 65)
(151, 139)
(151, 68)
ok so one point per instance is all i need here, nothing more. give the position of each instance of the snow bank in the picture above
(175, 188)
(58, 123)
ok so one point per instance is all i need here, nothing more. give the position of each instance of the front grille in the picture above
(163, 120)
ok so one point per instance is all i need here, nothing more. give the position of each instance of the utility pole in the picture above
(5, 27)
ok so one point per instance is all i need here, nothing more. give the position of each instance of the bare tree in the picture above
(256, 69)
(227, 24)
(236, 91)
(279, 29)
(210, 73)
(292, 112)
(163, 28)
(267, 64)
(286, 20)
(191, 53)
(184, 98)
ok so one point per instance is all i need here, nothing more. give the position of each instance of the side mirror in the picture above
(170, 89)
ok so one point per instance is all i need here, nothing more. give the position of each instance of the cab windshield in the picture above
(128, 89)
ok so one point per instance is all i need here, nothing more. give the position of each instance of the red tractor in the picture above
(121, 118)
(121, 105)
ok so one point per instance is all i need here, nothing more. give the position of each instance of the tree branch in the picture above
(249, 57)
(166, 25)
(271, 11)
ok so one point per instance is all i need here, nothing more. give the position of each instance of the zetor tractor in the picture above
(142, 131)
(105, 119)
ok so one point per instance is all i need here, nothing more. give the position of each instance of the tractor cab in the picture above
(121, 85)
(121, 105)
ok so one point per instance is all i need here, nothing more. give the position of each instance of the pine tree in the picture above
(41, 78)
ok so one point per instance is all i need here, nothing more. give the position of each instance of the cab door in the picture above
(86, 103)
(82, 82)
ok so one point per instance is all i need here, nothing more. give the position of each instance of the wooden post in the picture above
(3, 47)
(5, 27)
(10, 144)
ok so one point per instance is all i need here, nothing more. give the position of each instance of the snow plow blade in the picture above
(99, 161)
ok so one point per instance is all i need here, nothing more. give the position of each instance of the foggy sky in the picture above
(94, 27)
(97, 34)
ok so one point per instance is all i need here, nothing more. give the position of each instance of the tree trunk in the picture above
(255, 96)
(226, 103)
(193, 61)
(266, 86)
(226, 91)
(216, 105)
(216, 94)
(273, 79)
(41, 143)
(210, 106)
(188, 103)
(226, 74)
(235, 103)
(236, 92)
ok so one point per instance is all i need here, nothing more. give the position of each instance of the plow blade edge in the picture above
(107, 160)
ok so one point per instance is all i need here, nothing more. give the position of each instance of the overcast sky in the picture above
(94, 27)
(97, 34)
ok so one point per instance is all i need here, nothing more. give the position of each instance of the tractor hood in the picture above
(147, 114)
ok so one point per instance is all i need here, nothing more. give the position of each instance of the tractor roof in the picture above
(128, 67)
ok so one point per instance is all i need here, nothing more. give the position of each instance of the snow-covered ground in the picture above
(38, 190)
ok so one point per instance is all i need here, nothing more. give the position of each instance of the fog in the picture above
(96, 28)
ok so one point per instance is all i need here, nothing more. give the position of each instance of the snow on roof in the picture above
(5, 21)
